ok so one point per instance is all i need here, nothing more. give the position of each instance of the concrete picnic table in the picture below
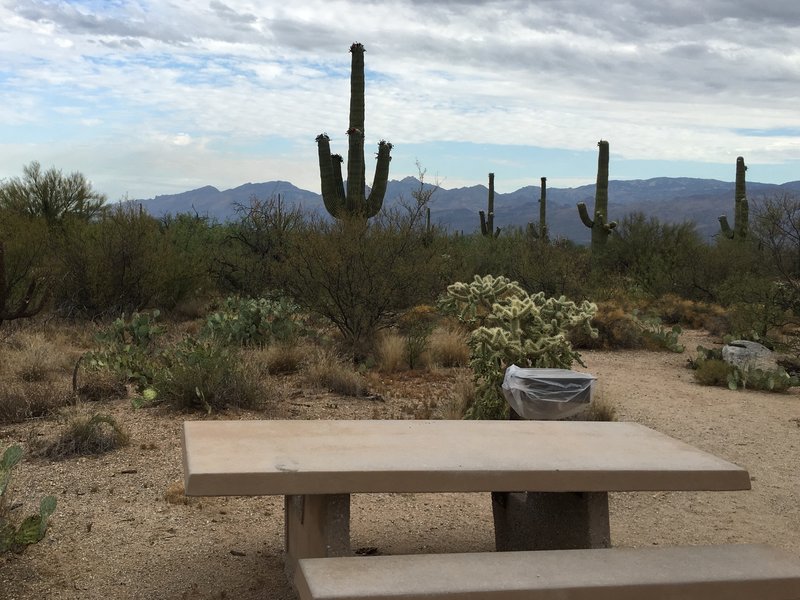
(565, 468)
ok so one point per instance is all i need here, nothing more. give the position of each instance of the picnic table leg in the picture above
(550, 520)
(317, 526)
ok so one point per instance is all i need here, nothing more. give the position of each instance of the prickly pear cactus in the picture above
(34, 527)
(509, 326)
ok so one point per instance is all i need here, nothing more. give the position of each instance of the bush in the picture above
(361, 276)
(417, 325)
(25, 400)
(207, 375)
(713, 372)
(86, 435)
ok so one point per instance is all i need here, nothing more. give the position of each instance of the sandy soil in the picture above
(114, 535)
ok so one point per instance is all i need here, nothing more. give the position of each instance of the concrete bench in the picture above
(729, 572)
(565, 470)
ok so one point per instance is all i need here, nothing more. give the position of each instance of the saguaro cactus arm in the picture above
(584, 214)
(726, 228)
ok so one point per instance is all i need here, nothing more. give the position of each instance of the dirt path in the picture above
(115, 536)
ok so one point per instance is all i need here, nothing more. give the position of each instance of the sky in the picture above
(150, 97)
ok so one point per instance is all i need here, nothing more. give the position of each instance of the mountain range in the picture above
(669, 199)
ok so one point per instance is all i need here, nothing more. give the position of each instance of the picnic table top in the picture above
(286, 457)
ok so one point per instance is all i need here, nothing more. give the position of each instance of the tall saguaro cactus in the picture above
(540, 232)
(543, 211)
(741, 208)
(487, 220)
(354, 202)
(600, 226)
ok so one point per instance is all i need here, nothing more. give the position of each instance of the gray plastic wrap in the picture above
(547, 394)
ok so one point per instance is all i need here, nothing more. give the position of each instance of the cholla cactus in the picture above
(512, 327)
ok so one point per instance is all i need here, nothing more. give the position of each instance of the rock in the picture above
(749, 355)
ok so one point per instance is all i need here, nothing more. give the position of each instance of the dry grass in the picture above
(391, 352)
(176, 494)
(463, 396)
(21, 400)
(328, 371)
(448, 347)
(278, 359)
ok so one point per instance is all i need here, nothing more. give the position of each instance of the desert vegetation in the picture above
(110, 315)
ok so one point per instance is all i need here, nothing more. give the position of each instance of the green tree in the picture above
(51, 194)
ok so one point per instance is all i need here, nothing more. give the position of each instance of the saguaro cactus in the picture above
(543, 211)
(354, 202)
(600, 226)
(487, 220)
(741, 208)
(540, 232)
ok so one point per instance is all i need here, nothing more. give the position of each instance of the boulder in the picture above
(749, 355)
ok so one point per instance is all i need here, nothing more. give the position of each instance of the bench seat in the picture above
(726, 572)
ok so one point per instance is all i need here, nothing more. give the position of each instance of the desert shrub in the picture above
(128, 261)
(674, 310)
(100, 384)
(509, 326)
(21, 400)
(249, 321)
(87, 434)
(656, 257)
(713, 372)
(448, 347)
(330, 372)
(206, 375)
(256, 246)
(616, 329)
(33, 528)
(417, 325)
(557, 268)
(361, 275)
(619, 329)
(391, 352)
(24, 262)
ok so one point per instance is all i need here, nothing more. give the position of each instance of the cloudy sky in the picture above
(151, 97)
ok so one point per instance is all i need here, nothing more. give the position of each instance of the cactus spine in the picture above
(487, 219)
(354, 202)
(600, 226)
(741, 208)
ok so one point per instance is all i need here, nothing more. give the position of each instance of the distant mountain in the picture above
(670, 199)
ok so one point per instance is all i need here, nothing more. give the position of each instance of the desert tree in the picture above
(50, 194)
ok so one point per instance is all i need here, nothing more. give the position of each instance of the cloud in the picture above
(673, 80)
